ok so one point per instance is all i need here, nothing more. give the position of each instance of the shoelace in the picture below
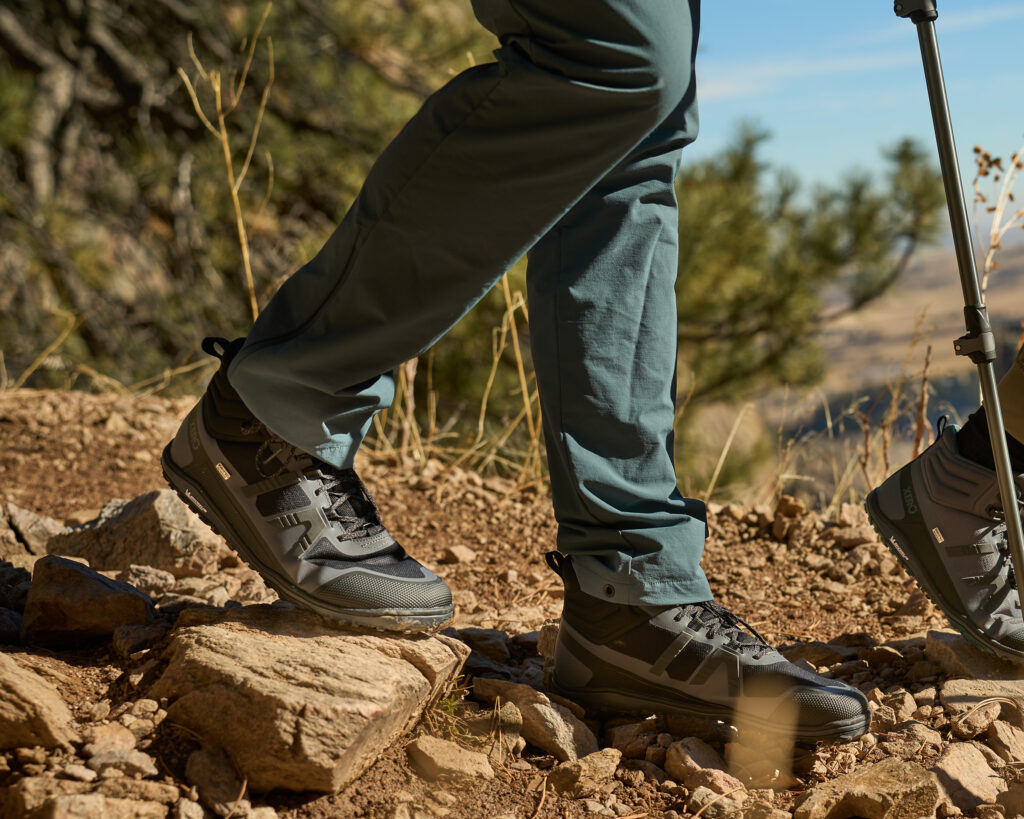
(717, 620)
(342, 486)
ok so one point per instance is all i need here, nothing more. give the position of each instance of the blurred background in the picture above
(164, 165)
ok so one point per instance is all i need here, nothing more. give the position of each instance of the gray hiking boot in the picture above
(310, 529)
(942, 517)
(693, 660)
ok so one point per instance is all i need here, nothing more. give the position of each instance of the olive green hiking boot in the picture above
(941, 516)
(310, 529)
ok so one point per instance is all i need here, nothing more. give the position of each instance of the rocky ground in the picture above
(145, 672)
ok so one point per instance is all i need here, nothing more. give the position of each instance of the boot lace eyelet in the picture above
(609, 590)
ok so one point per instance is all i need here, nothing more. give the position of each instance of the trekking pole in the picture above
(979, 343)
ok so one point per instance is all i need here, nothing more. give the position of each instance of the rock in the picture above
(28, 796)
(32, 529)
(9, 545)
(965, 777)
(633, 738)
(890, 789)
(296, 701)
(546, 724)
(123, 787)
(79, 772)
(1007, 741)
(547, 636)
(917, 731)
(959, 697)
(458, 554)
(14, 585)
(68, 601)
(31, 710)
(147, 579)
(851, 536)
(976, 721)
(155, 529)
(10, 626)
(586, 776)
(490, 642)
(439, 759)
(791, 507)
(186, 809)
(128, 763)
(689, 755)
(762, 810)
(717, 781)
(108, 738)
(879, 656)
(98, 805)
(882, 719)
(902, 704)
(131, 638)
(648, 770)
(817, 653)
(992, 677)
(1012, 799)
(210, 770)
(713, 805)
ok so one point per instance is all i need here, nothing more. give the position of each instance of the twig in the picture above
(987, 701)
(543, 796)
(48, 350)
(922, 405)
(238, 799)
(725, 451)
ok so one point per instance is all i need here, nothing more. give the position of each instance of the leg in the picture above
(603, 326)
(638, 631)
(487, 166)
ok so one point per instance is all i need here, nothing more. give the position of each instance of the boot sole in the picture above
(897, 543)
(390, 620)
(617, 702)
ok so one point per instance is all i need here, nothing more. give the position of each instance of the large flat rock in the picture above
(296, 701)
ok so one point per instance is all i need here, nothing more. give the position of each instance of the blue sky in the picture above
(833, 81)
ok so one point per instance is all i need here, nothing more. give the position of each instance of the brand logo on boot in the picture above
(896, 545)
(908, 501)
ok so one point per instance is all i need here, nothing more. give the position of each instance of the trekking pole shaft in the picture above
(969, 282)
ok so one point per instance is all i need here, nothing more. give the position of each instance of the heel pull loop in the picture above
(556, 562)
(210, 346)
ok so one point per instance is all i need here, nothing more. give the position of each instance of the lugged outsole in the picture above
(616, 702)
(965, 631)
(389, 624)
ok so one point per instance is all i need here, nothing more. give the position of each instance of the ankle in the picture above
(973, 443)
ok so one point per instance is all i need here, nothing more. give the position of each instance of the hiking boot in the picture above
(941, 516)
(694, 660)
(310, 529)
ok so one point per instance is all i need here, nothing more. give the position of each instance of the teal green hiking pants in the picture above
(566, 148)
